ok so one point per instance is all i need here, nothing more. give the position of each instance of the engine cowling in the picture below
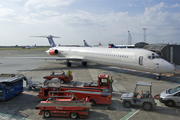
(53, 52)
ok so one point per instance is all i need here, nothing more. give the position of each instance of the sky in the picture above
(105, 21)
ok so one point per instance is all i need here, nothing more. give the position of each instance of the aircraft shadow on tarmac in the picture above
(115, 70)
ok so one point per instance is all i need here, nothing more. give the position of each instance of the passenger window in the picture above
(153, 57)
(149, 57)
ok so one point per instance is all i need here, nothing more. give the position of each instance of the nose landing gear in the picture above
(158, 77)
(68, 63)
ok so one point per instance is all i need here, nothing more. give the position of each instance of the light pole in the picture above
(128, 38)
(144, 34)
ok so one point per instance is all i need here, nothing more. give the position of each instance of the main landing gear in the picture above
(84, 63)
(68, 63)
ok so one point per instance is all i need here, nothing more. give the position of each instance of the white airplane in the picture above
(139, 59)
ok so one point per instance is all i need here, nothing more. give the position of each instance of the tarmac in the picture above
(22, 107)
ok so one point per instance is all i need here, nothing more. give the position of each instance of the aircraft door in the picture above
(141, 60)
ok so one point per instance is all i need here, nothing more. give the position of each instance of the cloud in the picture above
(114, 23)
(37, 4)
(6, 13)
(85, 24)
(131, 5)
(176, 5)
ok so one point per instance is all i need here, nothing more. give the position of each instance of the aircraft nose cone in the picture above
(170, 68)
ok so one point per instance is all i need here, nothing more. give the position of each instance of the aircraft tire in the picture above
(69, 64)
(84, 63)
(158, 77)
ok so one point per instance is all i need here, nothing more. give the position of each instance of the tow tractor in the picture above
(103, 82)
(64, 106)
(62, 77)
(96, 95)
(141, 97)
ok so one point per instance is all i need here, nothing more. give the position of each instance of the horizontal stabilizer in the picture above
(49, 37)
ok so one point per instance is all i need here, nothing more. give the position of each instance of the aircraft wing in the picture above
(49, 58)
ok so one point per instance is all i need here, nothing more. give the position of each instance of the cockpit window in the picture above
(157, 57)
(154, 57)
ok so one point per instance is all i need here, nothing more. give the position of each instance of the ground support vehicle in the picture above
(141, 96)
(96, 95)
(64, 106)
(10, 85)
(103, 82)
(64, 78)
(170, 97)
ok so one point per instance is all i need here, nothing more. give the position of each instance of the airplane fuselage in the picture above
(138, 59)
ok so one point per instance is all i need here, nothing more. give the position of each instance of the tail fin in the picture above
(100, 44)
(86, 44)
(50, 39)
(112, 46)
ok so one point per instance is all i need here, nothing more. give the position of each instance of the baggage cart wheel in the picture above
(74, 115)
(93, 103)
(47, 114)
(127, 104)
(147, 106)
(62, 81)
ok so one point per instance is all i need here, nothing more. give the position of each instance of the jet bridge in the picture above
(168, 52)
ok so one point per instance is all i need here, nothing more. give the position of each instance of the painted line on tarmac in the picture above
(2, 114)
(129, 115)
(154, 80)
(132, 76)
(176, 83)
